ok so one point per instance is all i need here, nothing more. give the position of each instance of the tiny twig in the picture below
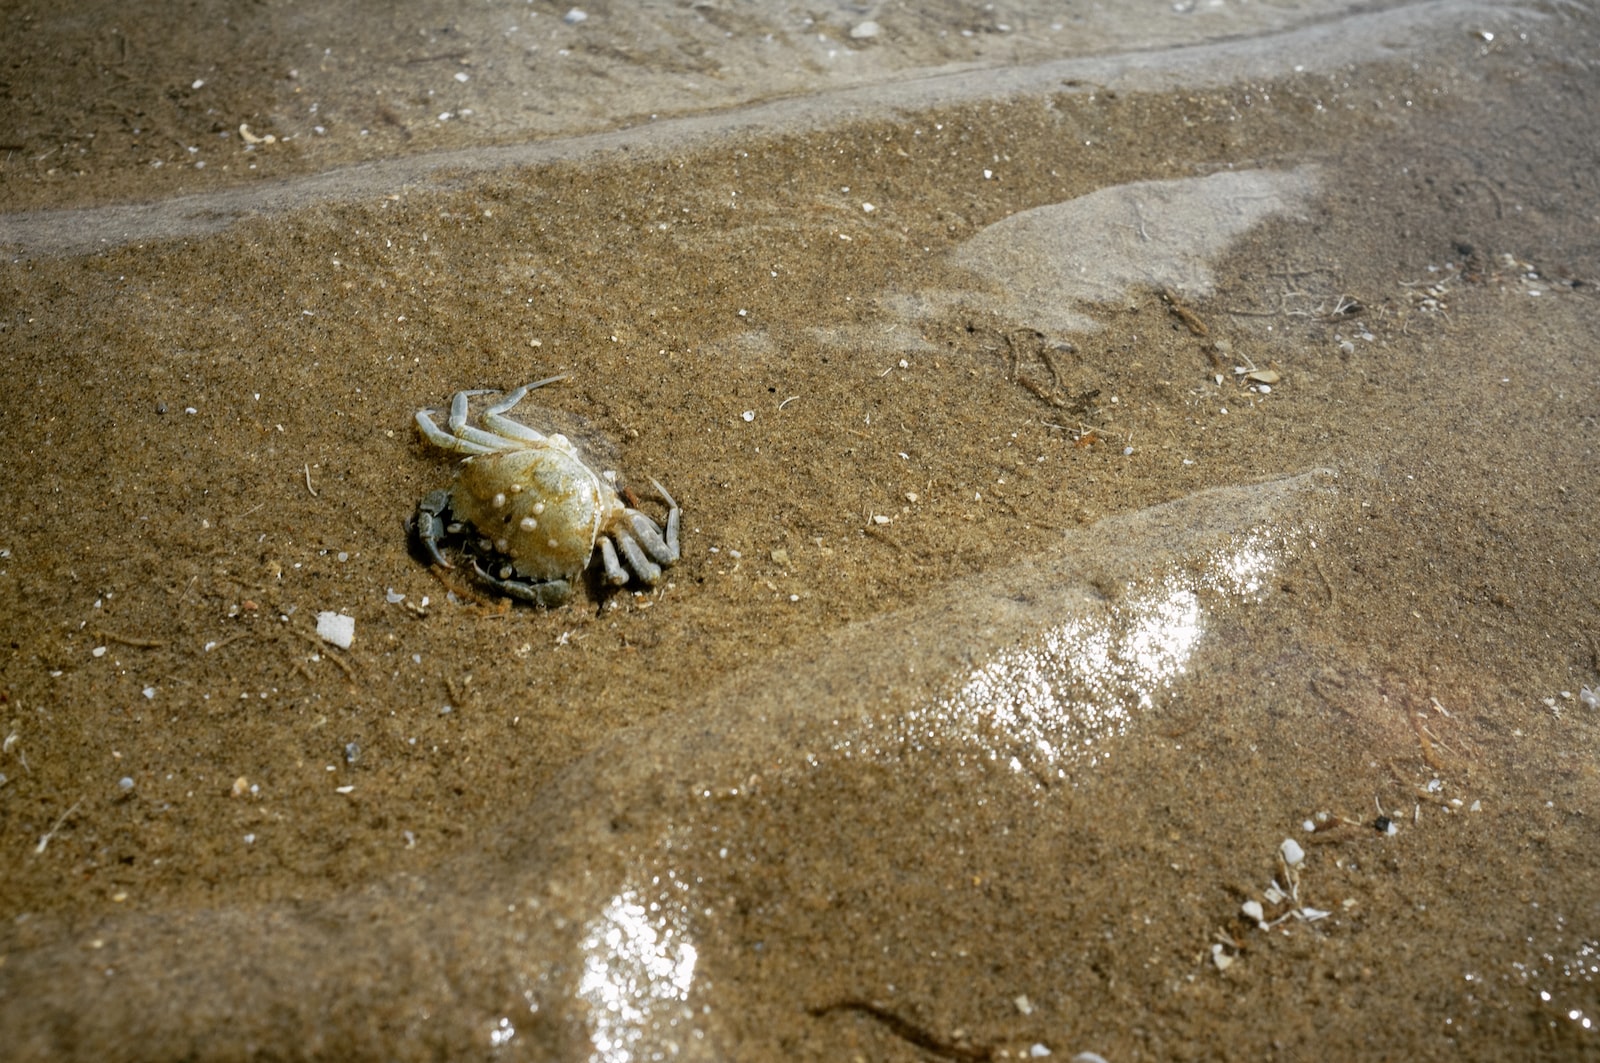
(344, 665)
(323, 651)
(908, 1030)
(129, 640)
(51, 833)
(888, 540)
(1183, 313)
(215, 646)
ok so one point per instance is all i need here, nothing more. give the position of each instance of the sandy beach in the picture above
(1139, 589)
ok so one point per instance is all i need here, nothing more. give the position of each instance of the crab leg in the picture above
(648, 532)
(616, 575)
(458, 408)
(548, 594)
(672, 521)
(505, 426)
(647, 570)
(445, 441)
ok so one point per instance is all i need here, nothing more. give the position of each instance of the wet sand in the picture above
(1167, 458)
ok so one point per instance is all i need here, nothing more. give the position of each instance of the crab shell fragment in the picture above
(539, 510)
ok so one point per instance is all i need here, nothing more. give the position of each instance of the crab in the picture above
(532, 511)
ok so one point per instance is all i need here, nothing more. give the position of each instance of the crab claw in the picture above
(428, 524)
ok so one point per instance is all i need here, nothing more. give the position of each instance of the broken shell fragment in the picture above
(1292, 854)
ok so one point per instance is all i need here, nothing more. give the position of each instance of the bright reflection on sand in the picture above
(1062, 695)
(637, 964)
(1564, 981)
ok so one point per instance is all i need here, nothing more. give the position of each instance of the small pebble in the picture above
(1293, 855)
(125, 782)
(575, 16)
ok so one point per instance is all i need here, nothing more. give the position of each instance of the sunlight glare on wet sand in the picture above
(1058, 699)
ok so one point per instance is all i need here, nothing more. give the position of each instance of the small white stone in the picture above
(575, 16)
(1024, 1005)
(749, 415)
(1038, 1051)
(1293, 855)
(1253, 911)
(862, 31)
(336, 628)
